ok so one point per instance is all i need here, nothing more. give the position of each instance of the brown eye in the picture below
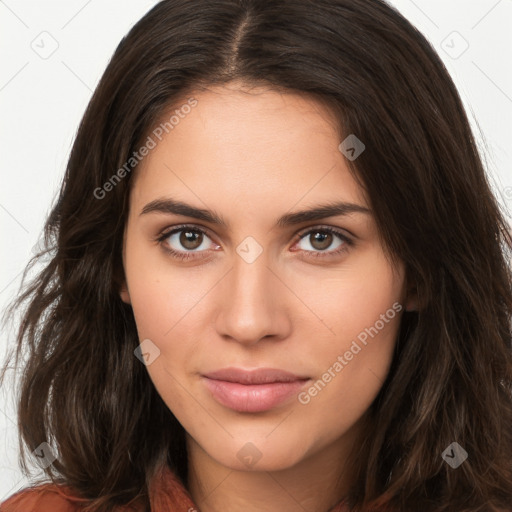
(187, 240)
(324, 242)
(321, 240)
(190, 239)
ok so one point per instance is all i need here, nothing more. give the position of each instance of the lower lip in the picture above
(253, 398)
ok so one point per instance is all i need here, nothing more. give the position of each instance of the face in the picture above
(240, 280)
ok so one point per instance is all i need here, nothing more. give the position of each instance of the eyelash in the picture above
(348, 243)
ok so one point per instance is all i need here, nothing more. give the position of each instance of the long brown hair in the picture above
(451, 376)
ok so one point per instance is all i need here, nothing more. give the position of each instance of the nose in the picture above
(252, 303)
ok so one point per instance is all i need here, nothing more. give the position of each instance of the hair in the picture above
(451, 375)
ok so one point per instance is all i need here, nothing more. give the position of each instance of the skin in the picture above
(252, 156)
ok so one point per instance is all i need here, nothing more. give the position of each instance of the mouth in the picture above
(253, 390)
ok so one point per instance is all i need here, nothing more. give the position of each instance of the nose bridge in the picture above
(250, 281)
(249, 307)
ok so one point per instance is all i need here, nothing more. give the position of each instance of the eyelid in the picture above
(321, 227)
(167, 232)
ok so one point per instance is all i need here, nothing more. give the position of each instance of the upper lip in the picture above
(257, 376)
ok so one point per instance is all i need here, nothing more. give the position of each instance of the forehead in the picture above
(248, 146)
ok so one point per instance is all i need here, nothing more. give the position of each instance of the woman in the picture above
(279, 277)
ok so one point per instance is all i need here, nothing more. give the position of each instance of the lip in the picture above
(253, 390)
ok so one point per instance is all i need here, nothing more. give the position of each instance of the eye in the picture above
(316, 241)
(183, 240)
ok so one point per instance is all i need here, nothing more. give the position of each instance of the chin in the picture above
(258, 454)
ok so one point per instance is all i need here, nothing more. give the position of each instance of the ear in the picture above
(412, 302)
(124, 293)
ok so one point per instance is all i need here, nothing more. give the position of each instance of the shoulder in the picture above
(43, 498)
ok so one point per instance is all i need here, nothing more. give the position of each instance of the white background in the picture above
(42, 101)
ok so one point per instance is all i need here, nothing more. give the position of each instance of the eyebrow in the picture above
(172, 206)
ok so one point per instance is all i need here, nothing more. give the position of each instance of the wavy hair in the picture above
(451, 377)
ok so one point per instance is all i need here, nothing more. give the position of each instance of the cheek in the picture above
(160, 295)
(150, 307)
(361, 311)
(165, 306)
(161, 317)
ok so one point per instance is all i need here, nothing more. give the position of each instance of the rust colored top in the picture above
(166, 495)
